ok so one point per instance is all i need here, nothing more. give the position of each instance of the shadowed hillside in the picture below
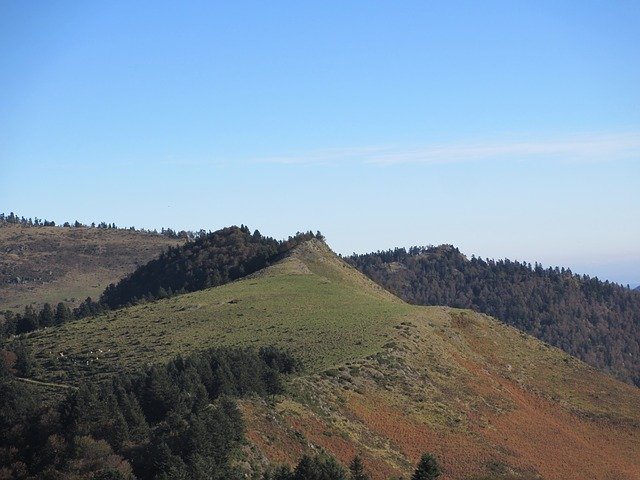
(383, 378)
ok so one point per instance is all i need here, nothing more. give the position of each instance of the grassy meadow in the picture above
(322, 310)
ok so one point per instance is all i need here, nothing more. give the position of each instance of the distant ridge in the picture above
(41, 264)
(597, 321)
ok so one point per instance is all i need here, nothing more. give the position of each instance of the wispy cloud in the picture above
(329, 156)
(582, 148)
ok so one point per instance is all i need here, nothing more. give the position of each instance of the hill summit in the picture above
(382, 378)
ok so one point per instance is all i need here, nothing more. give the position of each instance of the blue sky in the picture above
(510, 129)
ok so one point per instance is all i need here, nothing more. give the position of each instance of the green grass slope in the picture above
(383, 379)
(311, 303)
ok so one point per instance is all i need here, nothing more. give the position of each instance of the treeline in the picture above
(12, 218)
(596, 321)
(211, 260)
(177, 421)
(31, 319)
(325, 467)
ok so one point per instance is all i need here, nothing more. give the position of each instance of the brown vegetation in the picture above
(53, 264)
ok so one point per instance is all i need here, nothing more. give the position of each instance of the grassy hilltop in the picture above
(311, 302)
(383, 378)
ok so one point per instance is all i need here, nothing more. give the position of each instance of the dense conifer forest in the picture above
(596, 321)
(171, 421)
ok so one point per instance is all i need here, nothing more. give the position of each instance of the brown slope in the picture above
(490, 401)
(52, 264)
(539, 414)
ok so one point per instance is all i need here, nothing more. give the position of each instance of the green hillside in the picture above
(320, 308)
(594, 320)
(383, 379)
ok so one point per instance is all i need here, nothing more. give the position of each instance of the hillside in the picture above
(52, 264)
(596, 321)
(211, 260)
(383, 378)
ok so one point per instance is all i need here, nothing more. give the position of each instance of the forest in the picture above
(171, 421)
(167, 422)
(596, 321)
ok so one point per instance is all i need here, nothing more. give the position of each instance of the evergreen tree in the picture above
(427, 468)
(46, 317)
(28, 321)
(282, 472)
(306, 469)
(356, 470)
(25, 363)
(63, 314)
(8, 327)
(160, 394)
(320, 467)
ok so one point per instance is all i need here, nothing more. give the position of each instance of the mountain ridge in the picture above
(384, 379)
(597, 321)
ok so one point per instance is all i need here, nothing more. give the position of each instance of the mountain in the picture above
(382, 378)
(52, 264)
(598, 322)
(637, 289)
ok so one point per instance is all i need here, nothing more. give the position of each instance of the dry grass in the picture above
(430, 389)
(52, 264)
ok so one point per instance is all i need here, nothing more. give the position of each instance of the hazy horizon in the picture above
(622, 272)
(511, 130)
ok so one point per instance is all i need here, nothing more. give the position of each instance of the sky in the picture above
(509, 129)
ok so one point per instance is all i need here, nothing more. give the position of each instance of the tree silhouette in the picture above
(427, 468)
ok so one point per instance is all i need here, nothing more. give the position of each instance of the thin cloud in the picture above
(327, 156)
(584, 148)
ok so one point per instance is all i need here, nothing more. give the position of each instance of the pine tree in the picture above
(159, 394)
(305, 469)
(281, 472)
(63, 314)
(28, 321)
(427, 468)
(25, 363)
(47, 317)
(356, 469)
